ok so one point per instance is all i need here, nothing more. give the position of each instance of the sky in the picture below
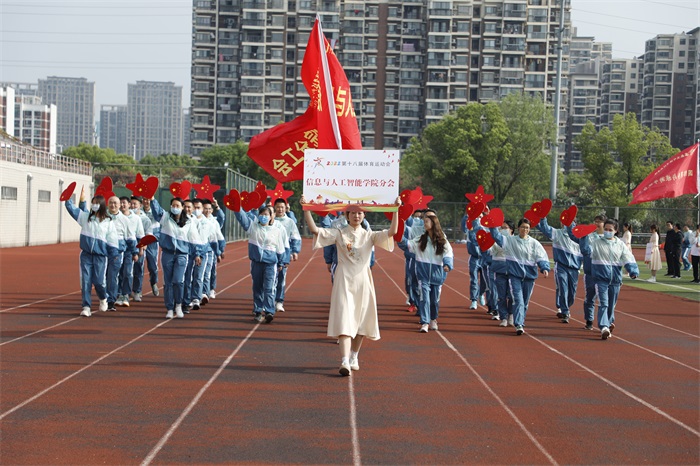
(117, 42)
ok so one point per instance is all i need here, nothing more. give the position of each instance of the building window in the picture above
(44, 196)
(9, 193)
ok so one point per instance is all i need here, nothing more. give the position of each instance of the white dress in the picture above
(353, 300)
(627, 239)
(655, 258)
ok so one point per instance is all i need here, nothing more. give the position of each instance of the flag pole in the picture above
(329, 85)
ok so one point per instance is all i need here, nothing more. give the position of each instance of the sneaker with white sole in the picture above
(103, 305)
(204, 301)
(86, 312)
(269, 317)
(279, 306)
(259, 318)
(178, 311)
(169, 314)
(495, 317)
(519, 330)
(651, 279)
(510, 319)
(344, 369)
(482, 300)
(472, 305)
(503, 323)
(125, 301)
(423, 328)
(195, 304)
(212, 294)
(138, 297)
(156, 291)
(354, 364)
(604, 333)
(433, 324)
(119, 301)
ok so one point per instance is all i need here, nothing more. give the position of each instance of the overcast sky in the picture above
(116, 42)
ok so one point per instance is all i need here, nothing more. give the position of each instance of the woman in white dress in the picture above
(353, 313)
(654, 260)
(627, 239)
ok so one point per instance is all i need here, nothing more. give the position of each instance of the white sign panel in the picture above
(336, 179)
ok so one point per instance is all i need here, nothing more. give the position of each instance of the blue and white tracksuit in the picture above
(498, 274)
(292, 246)
(114, 262)
(588, 281)
(413, 228)
(608, 256)
(177, 243)
(567, 260)
(430, 275)
(214, 245)
(266, 253)
(220, 217)
(98, 240)
(133, 234)
(477, 279)
(152, 249)
(139, 264)
(523, 257)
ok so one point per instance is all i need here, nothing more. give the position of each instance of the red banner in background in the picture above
(280, 150)
(673, 178)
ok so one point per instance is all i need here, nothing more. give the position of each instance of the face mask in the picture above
(263, 219)
(505, 231)
(419, 222)
(95, 207)
(175, 210)
(198, 212)
(135, 211)
(608, 234)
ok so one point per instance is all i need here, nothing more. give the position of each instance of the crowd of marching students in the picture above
(502, 275)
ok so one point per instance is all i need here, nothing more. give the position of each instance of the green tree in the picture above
(170, 167)
(90, 153)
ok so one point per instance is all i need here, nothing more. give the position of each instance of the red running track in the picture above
(132, 388)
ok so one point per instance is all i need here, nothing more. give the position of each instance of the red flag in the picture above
(280, 150)
(675, 177)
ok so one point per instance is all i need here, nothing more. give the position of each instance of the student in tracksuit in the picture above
(567, 260)
(152, 249)
(477, 283)
(266, 254)
(189, 207)
(136, 209)
(98, 239)
(210, 234)
(134, 232)
(524, 255)
(178, 237)
(114, 262)
(498, 275)
(414, 227)
(292, 248)
(217, 243)
(434, 259)
(220, 217)
(588, 282)
(608, 255)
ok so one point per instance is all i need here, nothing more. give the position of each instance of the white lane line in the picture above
(499, 400)
(37, 302)
(632, 315)
(164, 439)
(356, 459)
(65, 379)
(617, 387)
(40, 330)
(151, 456)
(626, 341)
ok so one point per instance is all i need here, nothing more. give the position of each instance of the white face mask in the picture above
(95, 207)
(198, 212)
(608, 234)
(505, 231)
(175, 210)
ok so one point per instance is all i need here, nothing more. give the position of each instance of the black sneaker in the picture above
(612, 327)
(589, 325)
(560, 315)
(519, 330)
(269, 317)
(258, 318)
(185, 309)
(565, 319)
(111, 307)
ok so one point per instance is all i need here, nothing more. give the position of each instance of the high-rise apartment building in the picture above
(408, 62)
(75, 104)
(621, 88)
(186, 126)
(113, 128)
(154, 119)
(670, 86)
(27, 118)
(584, 107)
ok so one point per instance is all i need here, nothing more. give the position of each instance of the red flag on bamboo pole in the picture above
(328, 123)
(673, 178)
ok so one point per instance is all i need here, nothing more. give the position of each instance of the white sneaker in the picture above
(344, 369)
(212, 294)
(604, 333)
(131, 295)
(433, 324)
(194, 305)
(120, 300)
(103, 305)
(482, 300)
(169, 315)
(138, 297)
(156, 291)
(651, 280)
(279, 307)
(125, 301)
(424, 328)
(178, 311)
(473, 305)
(504, 323)
(510, 319)
(86, 312)
(354, 364)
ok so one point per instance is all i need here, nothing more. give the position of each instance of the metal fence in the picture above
(16, 152)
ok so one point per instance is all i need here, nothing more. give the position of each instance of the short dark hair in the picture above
(188, 200)
(523, 221)
(124, 198)
(206, 202)
(196, 199)
(600, 217)
(510, 224)
(613, 222)
(278, 200)
(137, 198)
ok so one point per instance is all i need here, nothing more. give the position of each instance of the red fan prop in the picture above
(232, 200)
(205, 189)
(580, 231)
(494, 219)
(68, 192)
(568, 216)
(484, 239)
(146, 240)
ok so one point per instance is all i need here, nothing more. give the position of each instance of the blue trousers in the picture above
(589, 302)
(126, 274)
(198, 273)
(429, 302)
(264, 278)
(607, 297)
(412, 285)
(174, 266)
(114, 265)
(567, 283)
(521, 289)
(685, 253)
(212, 280)
(138, 274)
(93, 271)
(505, 299)
(206, 280)
(189, 272)
(281, 285)
(477, 285)
(152, 262)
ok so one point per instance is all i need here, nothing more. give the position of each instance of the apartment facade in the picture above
(153, 119)
(408, 62)
(75, 104)
(113, 128)
(622, 81)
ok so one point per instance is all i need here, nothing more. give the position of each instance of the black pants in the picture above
(695, 260)
(673, 257)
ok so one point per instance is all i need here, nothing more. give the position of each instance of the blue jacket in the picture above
(566, 252)
(608, 256)
(176, 239)
(472, 246)
(429, 265)
(96, 237)
(586, 259)
(523, 255)
(265, 242)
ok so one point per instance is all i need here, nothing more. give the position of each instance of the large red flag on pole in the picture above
(675, 177)
(328, 123)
